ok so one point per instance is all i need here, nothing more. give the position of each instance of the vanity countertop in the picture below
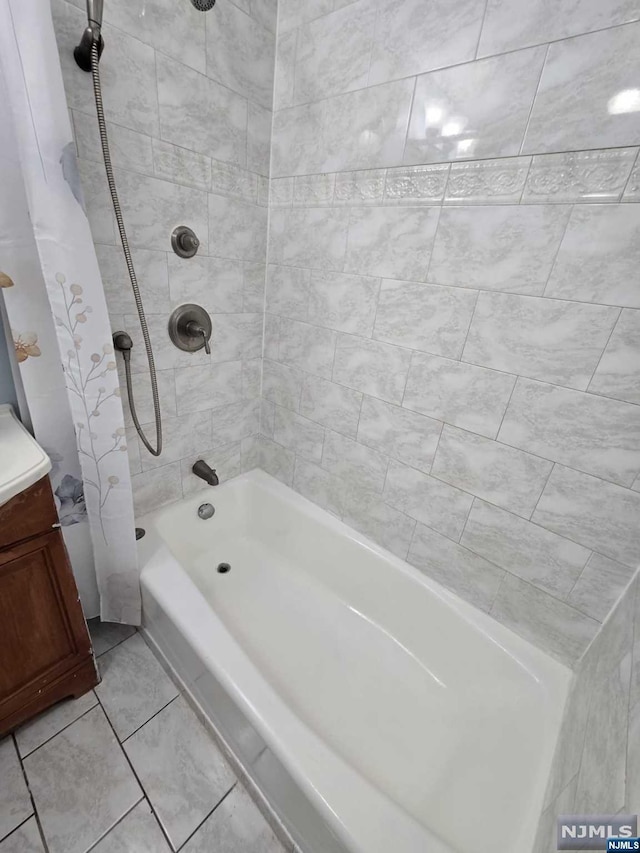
(22, 461)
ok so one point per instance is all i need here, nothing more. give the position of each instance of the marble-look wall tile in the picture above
(154, 207)
(346, 303)
(510, 24)
(425, 317)
(259, 138)
(501, 475)
(391, 242)
(595, 513)
(428, 500)
(353, 463)
(274, 459)
(487, 181)
(309, 237)
(542, 558)
(404, 435)
(359, 188)
(599, 256)
(601, 780)
(240, 53)
(632, 190)
(365, 129)
(411, 38)
(391, 529)
(591, 433)
(375, 368)
(467, 396)
(599, 586)
(583, 97)
(311, 348)
(288, 291)
(271, 337)
(25, 839)
(199, 114)
(144, 398)
(97, 203)
(127, 73)
(237, 229)
(498, 248)
(319, 486)
(200, 388)
(151, 272)
(181, 436)
(253, 288)
(129, 149)
(180, 165)
(227, 179)
(579, 176)
(281, 192)
(540, 618)
(313, 190)
(282, 384)
(303, 436)
(331, 405)
(346, 37)
(236, 336)
(285, 69)
(416, 184)
(619, 368)
(297, 140)
(234, 421)
(178, 31)
(450, 122)
(215, 283)
(548, 339)
(470, 576)
(293, 13)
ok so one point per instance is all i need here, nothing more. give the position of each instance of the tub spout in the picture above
(202, 470)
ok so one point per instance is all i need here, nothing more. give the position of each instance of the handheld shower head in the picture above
(203, 5)
(94, 15)
(82, 53)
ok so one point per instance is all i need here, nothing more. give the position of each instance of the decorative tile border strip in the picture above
(576, 177)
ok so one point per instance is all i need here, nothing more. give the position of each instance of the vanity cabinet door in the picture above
(45, 650)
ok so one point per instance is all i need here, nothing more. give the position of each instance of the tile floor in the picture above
(127, 768)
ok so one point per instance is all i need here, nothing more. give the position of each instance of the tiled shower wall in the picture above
(188, 99)
(596, 768)
(452, 349)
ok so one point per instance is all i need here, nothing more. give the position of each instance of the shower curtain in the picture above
(55, 303)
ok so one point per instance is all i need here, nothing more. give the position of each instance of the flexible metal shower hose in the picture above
(97, 91)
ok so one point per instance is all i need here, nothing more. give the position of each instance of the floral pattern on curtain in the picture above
(76, 307)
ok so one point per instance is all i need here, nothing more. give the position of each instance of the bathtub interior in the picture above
(441, 709)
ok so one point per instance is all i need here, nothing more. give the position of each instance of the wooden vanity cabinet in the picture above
(45, 648)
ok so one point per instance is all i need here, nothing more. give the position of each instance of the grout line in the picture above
(137, 778)
(441, 68)
(482, 23)
(202, 822)
(533, 100)
(602, 354)
(406, 136)
(557, 255)
(63, 729)
(31, 797)
(117, 823)
(142, 725)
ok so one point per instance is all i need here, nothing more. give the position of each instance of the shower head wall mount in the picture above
(92, 33)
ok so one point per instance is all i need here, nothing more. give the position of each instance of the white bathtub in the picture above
(377, 711)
